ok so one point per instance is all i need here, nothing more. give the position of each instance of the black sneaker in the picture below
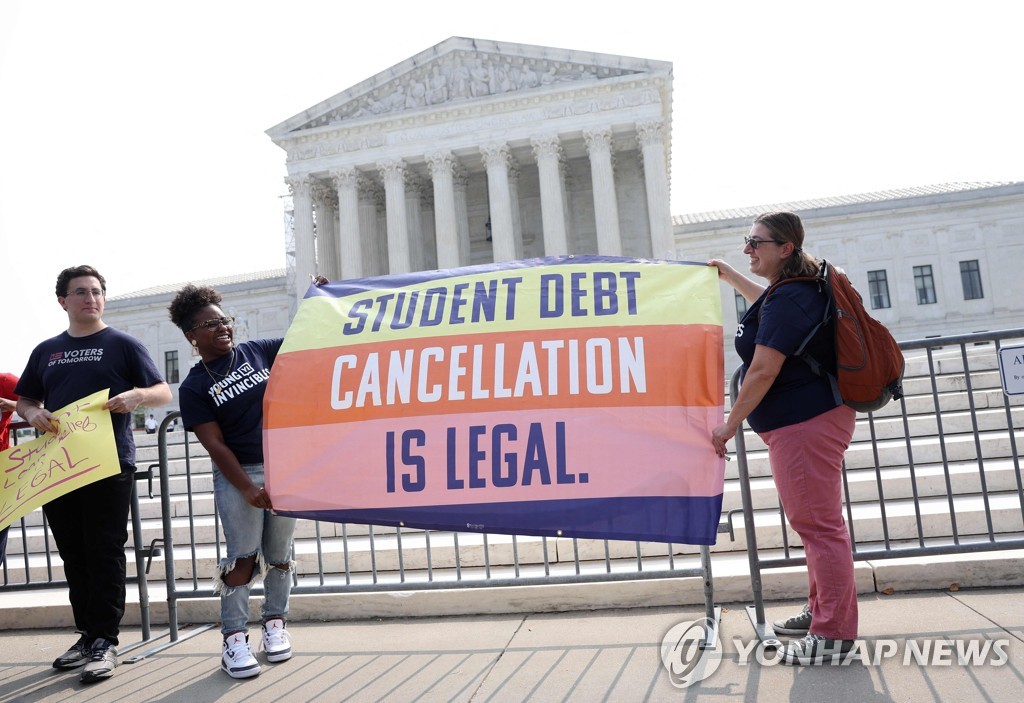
(815, 649)
(74, 657)
(796, 626)
(102, 661)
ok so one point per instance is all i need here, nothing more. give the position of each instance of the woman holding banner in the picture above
(221, 401)
(805, 429)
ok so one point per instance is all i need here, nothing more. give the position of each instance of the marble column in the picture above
(369, 235)
(547, 151)
(565, 173)
(427, 227)
(392, 172)
(349, 236)
(380, 202)
(325, 204)
(606, 209)
(517, 217)
(461, 181)
(414, 220)
(301, 188)
(651, 138)
(496, 159)
(446, 228)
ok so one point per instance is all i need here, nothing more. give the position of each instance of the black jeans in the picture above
(90, 526)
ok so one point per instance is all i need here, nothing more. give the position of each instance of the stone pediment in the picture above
(461, 70)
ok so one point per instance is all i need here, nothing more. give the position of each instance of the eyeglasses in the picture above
(214, 323)
(83, 292)
(754, 242)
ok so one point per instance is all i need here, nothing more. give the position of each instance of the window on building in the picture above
(924, 282)
(878, 289)
(970, 276)
(171, 366)
(741, 306)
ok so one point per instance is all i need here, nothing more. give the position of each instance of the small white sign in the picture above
(1011, 368)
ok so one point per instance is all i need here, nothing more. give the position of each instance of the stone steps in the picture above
(863, 484)
(49, 608)
(901, 519)
(894, 453)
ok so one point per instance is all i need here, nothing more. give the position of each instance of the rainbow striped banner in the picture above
(564, 396)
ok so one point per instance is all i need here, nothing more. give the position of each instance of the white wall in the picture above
(986, 225)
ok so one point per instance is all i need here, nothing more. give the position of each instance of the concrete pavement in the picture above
(609, 655)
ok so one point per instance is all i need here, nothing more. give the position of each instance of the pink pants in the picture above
(807, 463)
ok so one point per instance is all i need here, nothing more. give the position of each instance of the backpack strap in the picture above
(823, 281)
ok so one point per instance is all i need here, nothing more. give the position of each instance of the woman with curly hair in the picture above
(221, 401)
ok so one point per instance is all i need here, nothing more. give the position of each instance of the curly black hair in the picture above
(190, 300)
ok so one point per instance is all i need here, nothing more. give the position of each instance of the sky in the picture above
(132, 134)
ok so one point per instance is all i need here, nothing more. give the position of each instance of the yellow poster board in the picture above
(81, 451)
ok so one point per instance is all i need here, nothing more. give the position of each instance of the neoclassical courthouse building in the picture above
(477, 151)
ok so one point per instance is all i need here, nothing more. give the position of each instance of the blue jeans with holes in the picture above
(248, 532)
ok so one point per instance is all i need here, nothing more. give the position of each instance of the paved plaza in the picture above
(603, 655)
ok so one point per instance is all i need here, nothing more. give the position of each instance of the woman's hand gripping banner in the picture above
(565, 396)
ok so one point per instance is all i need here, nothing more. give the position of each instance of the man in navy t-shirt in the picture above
(89, 524)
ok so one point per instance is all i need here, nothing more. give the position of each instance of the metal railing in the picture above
(336, 571)
(918, 488)
(426, 560)
(143, 554)
(905, 471)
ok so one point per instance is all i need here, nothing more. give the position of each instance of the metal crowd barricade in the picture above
(929, 484)
(143, 556)
(332, 577)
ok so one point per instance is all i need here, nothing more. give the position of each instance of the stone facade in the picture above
(942, 258)
(476, 151)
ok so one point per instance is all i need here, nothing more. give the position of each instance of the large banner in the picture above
(79, 451)
(565, 396)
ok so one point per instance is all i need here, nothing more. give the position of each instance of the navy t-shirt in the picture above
(64, 369)
(230, 392)
(786, 319)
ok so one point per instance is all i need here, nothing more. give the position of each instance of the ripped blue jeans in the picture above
(250, 531)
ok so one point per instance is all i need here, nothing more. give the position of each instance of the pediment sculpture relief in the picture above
(464, 76)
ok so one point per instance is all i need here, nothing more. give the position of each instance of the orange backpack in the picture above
(868, 361)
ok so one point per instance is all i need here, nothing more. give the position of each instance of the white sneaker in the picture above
(237, 659)
(277, 643)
